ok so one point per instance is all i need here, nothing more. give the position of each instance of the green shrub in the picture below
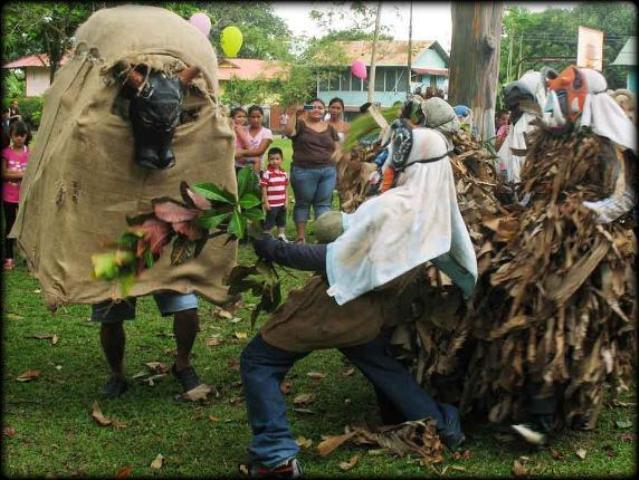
(31, 110)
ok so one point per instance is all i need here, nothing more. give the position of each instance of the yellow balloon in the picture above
(231, 41)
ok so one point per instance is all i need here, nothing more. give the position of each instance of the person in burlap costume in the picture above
(358, 295)
(85, 177)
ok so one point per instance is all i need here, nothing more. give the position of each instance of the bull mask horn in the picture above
(188, 74)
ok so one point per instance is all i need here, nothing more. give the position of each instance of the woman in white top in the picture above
(259, 139)
(336, 117)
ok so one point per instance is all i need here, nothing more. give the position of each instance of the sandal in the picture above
(187, 377)
(114, 387)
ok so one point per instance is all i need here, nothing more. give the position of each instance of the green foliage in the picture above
(265, 35)
(243, 92)
(13, 87)
(553, 32)
(31, 110)
(31, 28)
(298, 87)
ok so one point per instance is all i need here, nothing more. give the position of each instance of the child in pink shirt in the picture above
(14, 162)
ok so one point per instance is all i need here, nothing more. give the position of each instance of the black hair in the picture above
(275, 151)
(20, 128)
(317, 99)
(364, 107)
(254, 108)
(336, 100)
(236, 110)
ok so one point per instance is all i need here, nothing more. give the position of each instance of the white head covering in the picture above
(510, 163)
(604, 115)
(408, 225)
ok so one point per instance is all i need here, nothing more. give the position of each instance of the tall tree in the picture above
(553, 33)
(36, 28)
(474, 61)
(371, 82)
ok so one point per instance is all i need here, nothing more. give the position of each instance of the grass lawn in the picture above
(48, 429)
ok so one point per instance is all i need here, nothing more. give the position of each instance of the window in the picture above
(345, 81)
(333, 81)
(390, 80)
(379, 79)
(323, 84)
(356, 83)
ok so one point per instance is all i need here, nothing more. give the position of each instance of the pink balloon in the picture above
(358, 69)
(202, 22)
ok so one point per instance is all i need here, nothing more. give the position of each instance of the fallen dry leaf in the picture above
(329, 444)
(236, 319)
(220, 312)
(518, 469)
(54, 339)
(9, 432)
(348, 372)
(118, 424)
(233, 364)
(459, 468)
(316, 375)
(244, 470)
(581, 453)
(623, 423)
(98, 416)
(286, 386)
(304, 399)
(377, 451)
(235, 400)
(303, 442)
(350, 463)
(556, 454)
(157, 367)
(304, 410)
(214, 419)
(28, 375)
(157, 463)
(124, 472)
(198, 393)
(241, 335)
(347, 401)
(13, 316)
(213, 342)
(627, 437)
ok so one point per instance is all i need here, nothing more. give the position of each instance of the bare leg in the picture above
(113, 340)
(301, 231)
(185, 327)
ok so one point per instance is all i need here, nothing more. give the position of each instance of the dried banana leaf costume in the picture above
(556, 311)
(87, 172)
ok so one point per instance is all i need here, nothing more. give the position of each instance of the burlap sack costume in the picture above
(82, 180)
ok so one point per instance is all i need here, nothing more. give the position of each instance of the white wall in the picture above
(37, 80)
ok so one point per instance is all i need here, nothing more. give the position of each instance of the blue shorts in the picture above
(167, 302)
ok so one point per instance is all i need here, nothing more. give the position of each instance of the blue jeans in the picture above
(264, 366)
(312, 187)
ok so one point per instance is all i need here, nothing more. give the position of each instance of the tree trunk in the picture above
(474, 61)
(371, 80)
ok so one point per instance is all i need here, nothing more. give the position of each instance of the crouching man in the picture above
(349, 305)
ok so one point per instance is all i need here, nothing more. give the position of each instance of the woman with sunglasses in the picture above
(315, 153)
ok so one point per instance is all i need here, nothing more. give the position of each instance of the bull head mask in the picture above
(155, 113)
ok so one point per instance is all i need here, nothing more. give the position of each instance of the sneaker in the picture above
(530, 433)
(451, 434)
(187, 377)
(289, 469)
(283, 238)
(9, 264)
(114, 387)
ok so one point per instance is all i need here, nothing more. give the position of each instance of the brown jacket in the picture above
(311, 320)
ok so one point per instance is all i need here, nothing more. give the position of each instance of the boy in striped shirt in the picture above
(274, 193)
